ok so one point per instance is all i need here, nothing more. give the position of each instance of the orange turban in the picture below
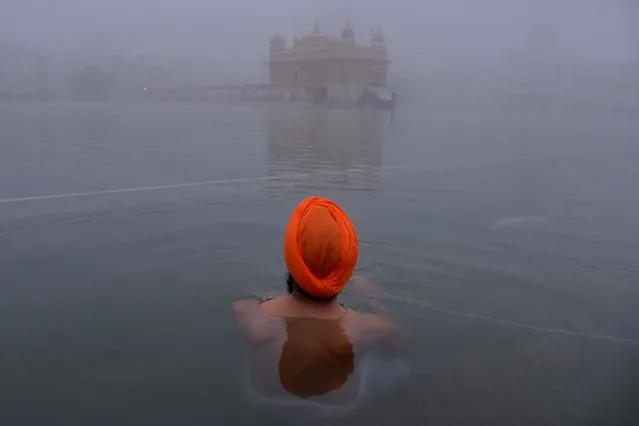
(320, 247)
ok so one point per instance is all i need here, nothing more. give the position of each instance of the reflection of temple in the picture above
(321, 68)
(345, 147)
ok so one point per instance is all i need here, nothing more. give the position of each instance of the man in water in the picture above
(306, 348)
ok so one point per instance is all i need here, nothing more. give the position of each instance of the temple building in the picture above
(322, 68)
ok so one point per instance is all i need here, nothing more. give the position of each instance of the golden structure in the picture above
(317, 66)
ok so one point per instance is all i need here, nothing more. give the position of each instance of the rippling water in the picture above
(494, 233)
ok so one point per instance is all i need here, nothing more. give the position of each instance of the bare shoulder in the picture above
(369, 327)
(254, 323)
(274, 306)
(246, 305)
(366, 319)
(247, 311)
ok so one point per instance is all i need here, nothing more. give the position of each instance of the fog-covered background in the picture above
(435, 45)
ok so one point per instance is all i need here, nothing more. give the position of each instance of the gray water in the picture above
(115, 307)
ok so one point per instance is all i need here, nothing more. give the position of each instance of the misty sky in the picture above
(238, 30)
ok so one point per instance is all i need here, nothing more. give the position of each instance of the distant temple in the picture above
(322, 68)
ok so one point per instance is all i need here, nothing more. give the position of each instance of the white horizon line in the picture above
(426, 167)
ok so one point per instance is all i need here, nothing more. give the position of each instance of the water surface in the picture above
(115, 308)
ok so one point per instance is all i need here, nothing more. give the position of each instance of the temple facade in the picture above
(319, 67)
